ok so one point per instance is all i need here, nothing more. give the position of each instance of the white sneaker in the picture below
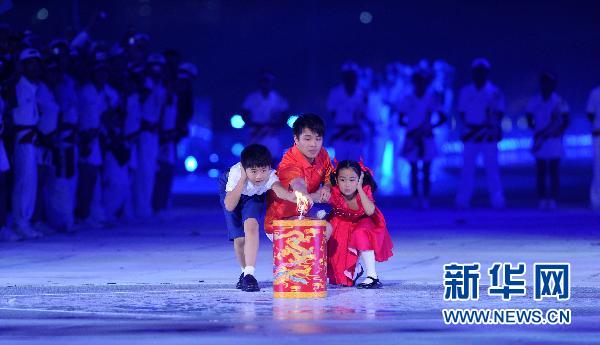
(27, 232)
(7, 235)
(552, 205)
(543, 205)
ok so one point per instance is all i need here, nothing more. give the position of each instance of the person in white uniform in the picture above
(6, 234)
(95, 99)
(115, 176)
(63, 181)
(26, 115)
(481, 107)
(416, 114)
(548, 117)
(593, 111)
(46, 138)
(265, 112)
(169, 135)
(347, 104)
(147, 150)
(121, 158)
(378, 112)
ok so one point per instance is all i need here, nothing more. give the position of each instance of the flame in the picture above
(301, 203)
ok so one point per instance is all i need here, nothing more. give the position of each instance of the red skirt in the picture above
(351, 236)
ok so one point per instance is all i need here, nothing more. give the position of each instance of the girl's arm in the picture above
(367, 204)
(233, 198)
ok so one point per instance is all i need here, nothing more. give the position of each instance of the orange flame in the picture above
(302, 203)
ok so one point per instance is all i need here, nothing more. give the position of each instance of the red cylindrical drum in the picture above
(299, 258)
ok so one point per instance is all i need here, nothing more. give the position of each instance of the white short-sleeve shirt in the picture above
(546, 111)
(264, 109)
(348, 109)
(153, 106)
(418, 110)
(593, 107)
(476, 104)
(250, 189)
(92, 103)
(66, 97)
(48, 108)
(4, 165)
(26, 112)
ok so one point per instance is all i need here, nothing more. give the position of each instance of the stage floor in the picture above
(171, 281)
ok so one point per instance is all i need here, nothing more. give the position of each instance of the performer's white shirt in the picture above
(48, 109)
(593, 106)
(418, 110)
(168, 122)
(153, 106)
(92, 103)
(133, 116)
(66, 97)
(475, 103)
(4, 165)
(26, 112)
(543, 110)
(235, 173)
(264, 109)
(348, 109)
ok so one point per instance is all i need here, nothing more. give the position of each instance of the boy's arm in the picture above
(233, 198)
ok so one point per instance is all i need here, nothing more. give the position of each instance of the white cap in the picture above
(187, 70)
(156, 59)
(29, 53)
(481, 62)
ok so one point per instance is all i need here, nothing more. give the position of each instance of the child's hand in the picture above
(360, 180)
(325, 194)
(243, 176)
(311, 202)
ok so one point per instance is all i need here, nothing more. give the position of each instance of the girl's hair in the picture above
(368, 179)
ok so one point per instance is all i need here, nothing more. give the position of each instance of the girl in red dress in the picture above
(359, 229)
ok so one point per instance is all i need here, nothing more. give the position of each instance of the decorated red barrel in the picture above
(299, 258)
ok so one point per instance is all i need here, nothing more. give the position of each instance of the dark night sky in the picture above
(304, 42)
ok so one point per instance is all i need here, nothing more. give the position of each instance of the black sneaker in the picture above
(239, 283)
(374, 284)
(249, 283)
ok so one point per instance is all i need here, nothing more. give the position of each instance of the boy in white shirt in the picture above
(243, 192)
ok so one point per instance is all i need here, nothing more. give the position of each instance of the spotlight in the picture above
(237, 121)
(191, 164)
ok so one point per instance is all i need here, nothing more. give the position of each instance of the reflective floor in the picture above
(171, 281)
